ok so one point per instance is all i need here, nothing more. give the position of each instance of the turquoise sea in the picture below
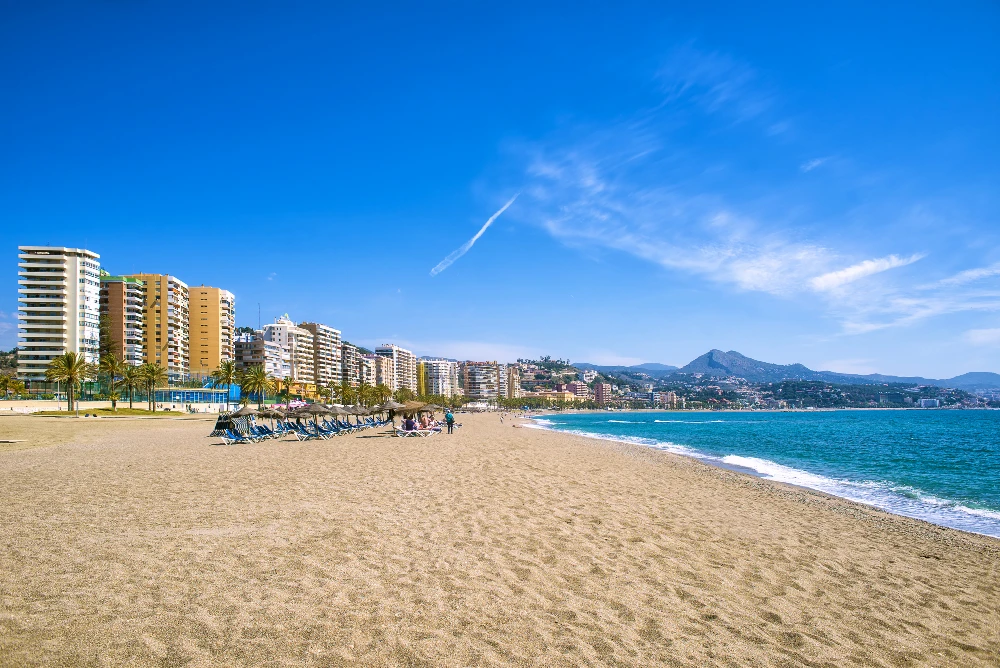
(942, 466)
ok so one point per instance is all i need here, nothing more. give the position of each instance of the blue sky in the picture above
(801, 185)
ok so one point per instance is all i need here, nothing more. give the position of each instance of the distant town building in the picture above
(167, 323)
(211, 329)
(930, 403)
(579, 388)
(666, 399)
(123, 303)
(588, 375)
(602, 393)
(58, 306)
(404, 366)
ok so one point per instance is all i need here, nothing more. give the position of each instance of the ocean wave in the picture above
(628, 421)
(888, 496)
(696, 421)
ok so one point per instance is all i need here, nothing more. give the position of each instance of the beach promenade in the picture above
(133, 542)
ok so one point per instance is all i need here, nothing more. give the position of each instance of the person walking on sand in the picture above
(450, 419)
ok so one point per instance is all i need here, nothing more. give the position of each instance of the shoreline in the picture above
(718, 463)
(140, 543)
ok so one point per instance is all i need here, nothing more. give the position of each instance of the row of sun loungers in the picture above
(303, 432)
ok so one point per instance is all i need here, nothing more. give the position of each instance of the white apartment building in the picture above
(366, 366)
(58, 295)
(255, 350)
(502, 380)
(350, 363)
(384, 370)
(404, 364)
(440, 376)
(298, 342)
(326, 353)
(588, 375)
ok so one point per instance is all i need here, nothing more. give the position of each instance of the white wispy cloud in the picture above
(716, 81)
(983, 337)
(464, 248)
(628, 186)
(840, 277)
(971, 275)
(810, 165)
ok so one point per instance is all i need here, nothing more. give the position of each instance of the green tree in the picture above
(226, 376)
(106, 344)
(71, 369)
(382, 393)
(345, 393)
(404, 394)
(152, 375)
(131, 381)
(287, 380)
(112, 367)
(256, 381)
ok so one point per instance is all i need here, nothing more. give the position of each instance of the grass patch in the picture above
(121, 412)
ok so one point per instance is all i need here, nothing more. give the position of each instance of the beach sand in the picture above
(135, 542)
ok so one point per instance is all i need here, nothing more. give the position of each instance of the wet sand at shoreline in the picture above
(134, 542)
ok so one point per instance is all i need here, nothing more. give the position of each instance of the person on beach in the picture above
(409, 424)
(450, 419)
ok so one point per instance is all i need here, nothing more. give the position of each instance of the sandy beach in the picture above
(133, 542)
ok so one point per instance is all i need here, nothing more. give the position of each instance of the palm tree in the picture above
(345, 392)
(405, 394)
(287, 380)
(131, 381)
(152, 375)
(113, 367)
(256, 380)
(226, 376)
(71, 369)
(382, 393)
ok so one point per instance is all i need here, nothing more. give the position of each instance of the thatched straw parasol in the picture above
(244, 412)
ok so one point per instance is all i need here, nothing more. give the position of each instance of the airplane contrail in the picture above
(464, 248)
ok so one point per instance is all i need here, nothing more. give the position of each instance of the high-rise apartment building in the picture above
(326, 353)
(384, 370)
(255, 350)
(211, 329)
(298, 342)
(166, 335)
(58, 300)
(513, 382)
(366, 365)
(481, 382)
(350, 364)
(123, 309)
(502, 380)
(404, 366)
(438, 376)
(602, 393)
